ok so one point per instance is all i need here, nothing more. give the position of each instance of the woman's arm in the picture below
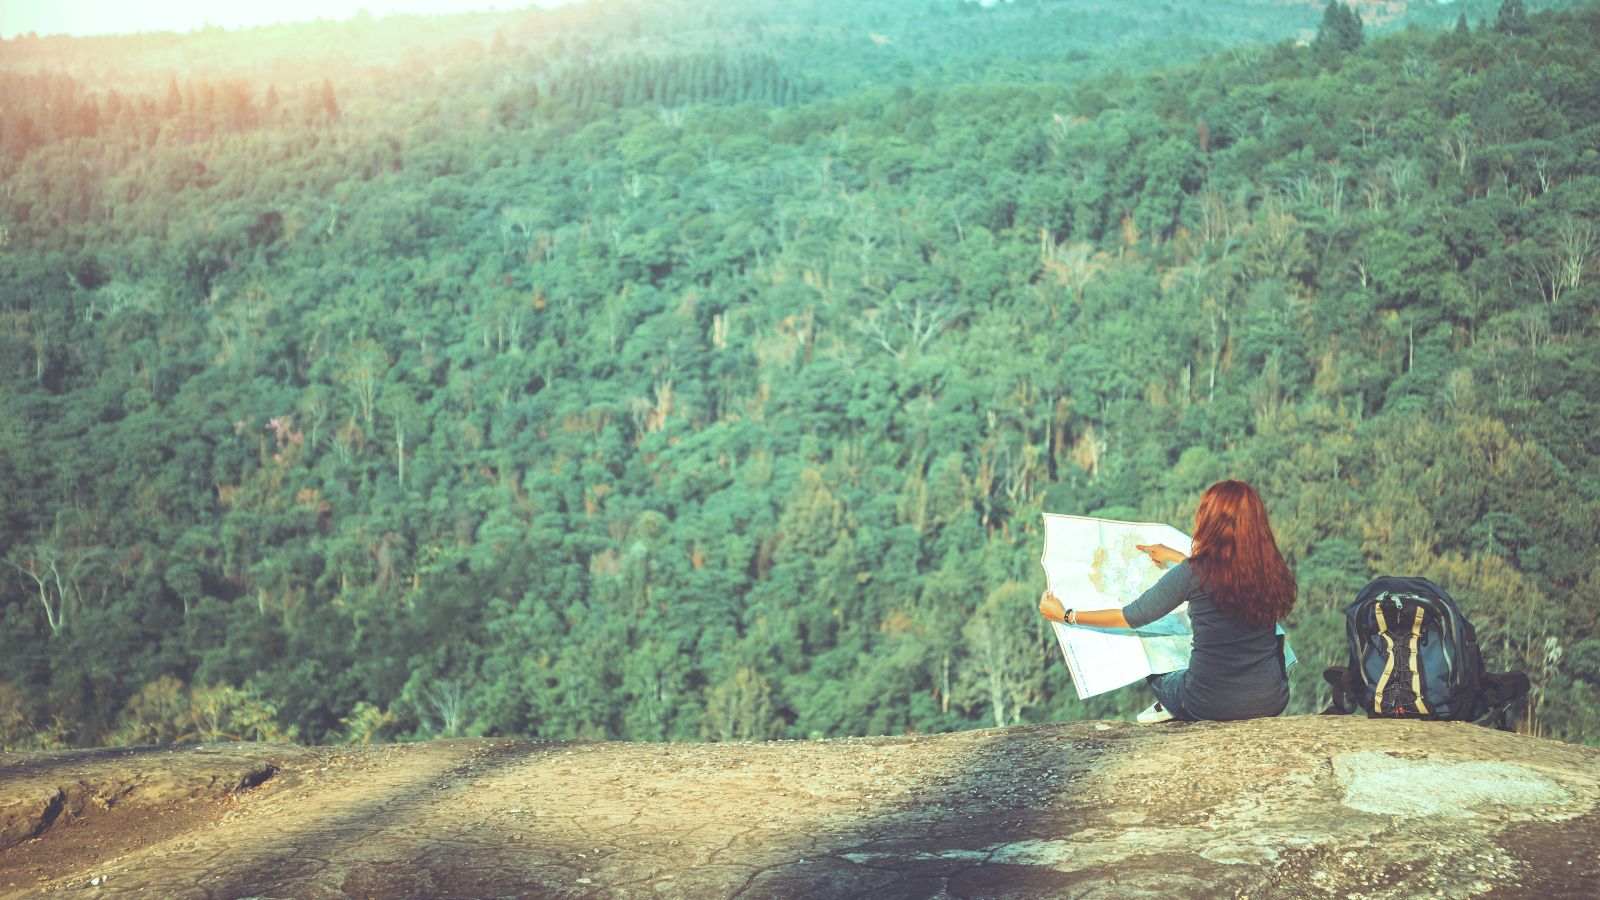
(1160, 554)
(1051, 608)
(1162, 597)
(1100, 618)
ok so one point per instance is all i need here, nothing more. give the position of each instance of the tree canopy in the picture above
(663, 372)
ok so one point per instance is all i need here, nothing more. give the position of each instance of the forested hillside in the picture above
(666, 371)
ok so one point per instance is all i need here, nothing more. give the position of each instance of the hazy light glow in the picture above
(82, 17)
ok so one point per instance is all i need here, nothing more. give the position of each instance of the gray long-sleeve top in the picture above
(1235, 670)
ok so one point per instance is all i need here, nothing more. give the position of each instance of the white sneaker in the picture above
(1156, 713)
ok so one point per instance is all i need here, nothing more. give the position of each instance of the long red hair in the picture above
(1237, 558)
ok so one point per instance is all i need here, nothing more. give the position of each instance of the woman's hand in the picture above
(1050, 607)
(1160, 554)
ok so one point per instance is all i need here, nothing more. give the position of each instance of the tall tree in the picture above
(1339, 32)
(1512, 18)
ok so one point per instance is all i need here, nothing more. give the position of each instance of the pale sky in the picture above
(81, 17)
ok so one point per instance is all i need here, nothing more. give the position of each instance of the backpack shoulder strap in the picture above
(1344, 690)
(1501, 691)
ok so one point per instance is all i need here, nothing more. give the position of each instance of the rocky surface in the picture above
(39, 789)
(1294, 807)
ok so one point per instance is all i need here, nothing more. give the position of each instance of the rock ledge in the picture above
(1292, 807)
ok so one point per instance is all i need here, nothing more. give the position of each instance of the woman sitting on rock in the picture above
(1238, 587)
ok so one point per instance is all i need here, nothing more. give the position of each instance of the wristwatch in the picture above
(1072, 617)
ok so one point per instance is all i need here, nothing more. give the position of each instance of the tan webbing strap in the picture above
(1388, 665)
(1416, 658)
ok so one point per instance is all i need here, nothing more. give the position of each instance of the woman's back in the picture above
(1236, 670)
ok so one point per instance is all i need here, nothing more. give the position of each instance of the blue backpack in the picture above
(1413, 655)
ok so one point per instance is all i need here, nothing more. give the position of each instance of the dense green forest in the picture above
(670, 371)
